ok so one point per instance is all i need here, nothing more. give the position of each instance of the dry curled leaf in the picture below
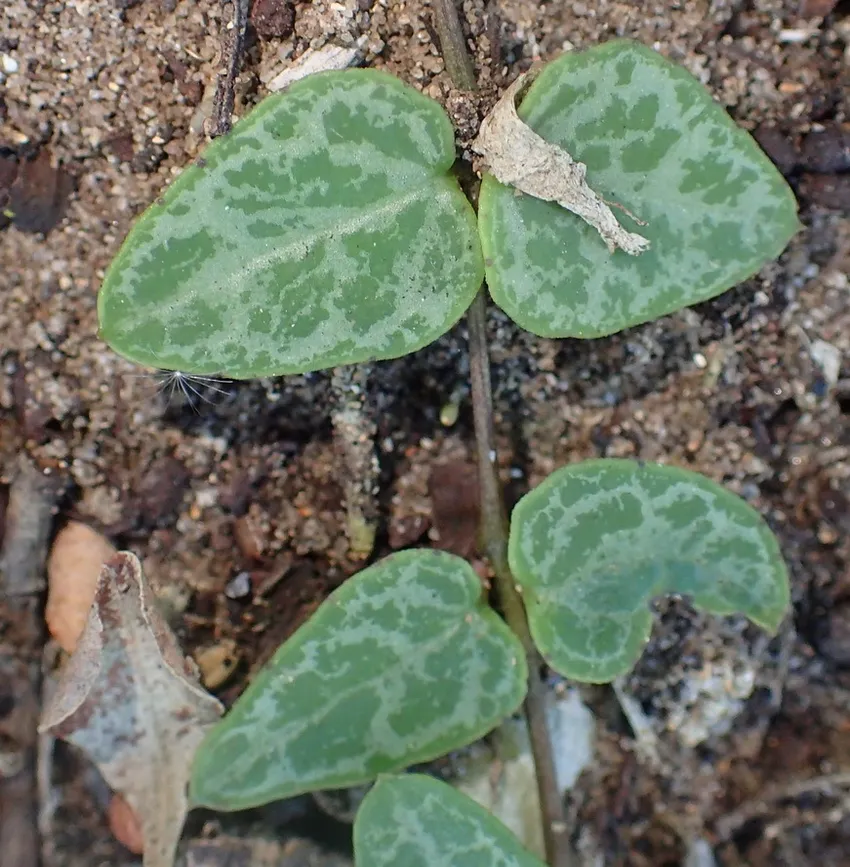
(73, 569)
(131, 701)
(515, 155)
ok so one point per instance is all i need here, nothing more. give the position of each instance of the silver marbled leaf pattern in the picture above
(403, 663)
(597, 541)
(655, 142)
(324, 230)
(417, 821)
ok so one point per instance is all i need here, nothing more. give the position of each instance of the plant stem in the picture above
(453, 45)
(494, 519)
(232, 49)
(494, 531)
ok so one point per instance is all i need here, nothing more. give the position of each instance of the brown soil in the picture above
(108, 101)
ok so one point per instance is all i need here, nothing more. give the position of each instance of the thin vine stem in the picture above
(494, 519)
(232, 52)
(494, 532)
(453, 45)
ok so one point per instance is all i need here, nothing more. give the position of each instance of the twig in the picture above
(232, 49)
(354, 443)
(48, 795)
(495, 38)
(727, 824)
(453, 45)
(494, 527)
(28, 520)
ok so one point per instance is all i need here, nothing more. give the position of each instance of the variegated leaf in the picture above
(417, 821)
(711, 204)
(324, 230)
(404, 663)
(595, 542)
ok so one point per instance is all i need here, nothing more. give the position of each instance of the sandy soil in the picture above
(746, 742)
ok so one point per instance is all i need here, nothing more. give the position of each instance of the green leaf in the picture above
(324, 230)
(594, 543)
(654, 141)
(404, 663)
(417, 821)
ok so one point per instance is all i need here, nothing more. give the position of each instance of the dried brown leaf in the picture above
(518, 157)
(131, 701)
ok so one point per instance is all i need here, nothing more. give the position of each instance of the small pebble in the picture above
(828, 358)
(238, 587)
(217, 663)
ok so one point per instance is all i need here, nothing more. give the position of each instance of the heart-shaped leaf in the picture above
(594, 543)
(417, 821)
(404, 663)
(324, 230)
(655, 142)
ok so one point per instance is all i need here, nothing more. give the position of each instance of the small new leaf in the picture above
(518, 157)
(131, 701)
(417, 821)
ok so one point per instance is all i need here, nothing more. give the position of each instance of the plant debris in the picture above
(29, 507)
(73, 571)
(27, 519)
(455, 502)
(515, 155)
(34, 191)
(131, 701)
(316, 60)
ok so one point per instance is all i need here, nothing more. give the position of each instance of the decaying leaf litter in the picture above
(515, 155)
(655, 376)
(131, 700)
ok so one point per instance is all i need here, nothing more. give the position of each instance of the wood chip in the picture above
(73, 570)
(317, 60)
